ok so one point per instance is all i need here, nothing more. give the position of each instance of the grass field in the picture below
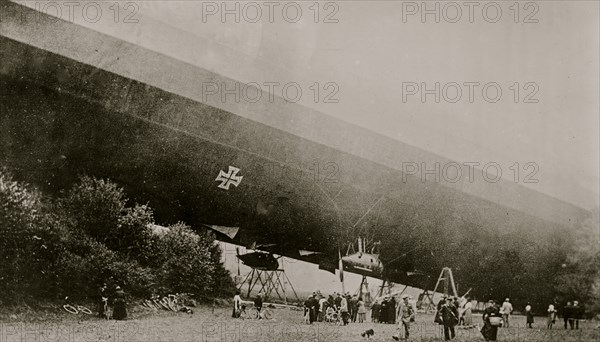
(208, 324)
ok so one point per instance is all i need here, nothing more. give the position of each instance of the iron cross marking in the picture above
(229, 178)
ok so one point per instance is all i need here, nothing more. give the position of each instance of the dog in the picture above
(367, 333)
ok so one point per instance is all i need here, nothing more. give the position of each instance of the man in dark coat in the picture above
(392, 311)
(375, 312)
(449, 314)
(353, 307)
(438, 315)
(314, 308)
(383, 311)
(567, 313)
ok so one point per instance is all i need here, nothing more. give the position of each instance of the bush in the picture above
(70, 246)
(188, 264)
(20, 227)
(97, 206)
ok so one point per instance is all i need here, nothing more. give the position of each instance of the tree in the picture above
(580, 279)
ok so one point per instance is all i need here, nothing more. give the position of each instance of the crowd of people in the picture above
(384, 311)
(451, 312)
(318, 308)
(495, 317)
(572, 313)
(388, 310)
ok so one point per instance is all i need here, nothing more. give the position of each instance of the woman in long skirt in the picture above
(489, 331)
(120, 305)
(362, 311)
(529, 315)
(468, 314)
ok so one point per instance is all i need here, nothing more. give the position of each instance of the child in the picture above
(551, 316)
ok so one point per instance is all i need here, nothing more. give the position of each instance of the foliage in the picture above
(19, 218)
(52, 248)
(185, 267)
(580, 277)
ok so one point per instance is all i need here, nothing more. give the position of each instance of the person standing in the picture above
(330, 301)
(322, 308)
(383, 311)
(361, 310)
(102, 301)
(490, 315)
(344, 310)
(237, 305)
(577, 313)
(567, 313)
(352, 303)
(307, 310)
(529, 315)
(406, 315)
(551, 316)
(438, 313)
(375, 312)
(314, 308)
(506, 311)
(449, 314)
(120, 304)
(468, 313)
(338, 301)
(392, 310)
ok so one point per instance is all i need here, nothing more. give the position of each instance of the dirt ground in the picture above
(208, 324)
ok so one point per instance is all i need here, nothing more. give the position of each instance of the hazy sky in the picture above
(376, 48)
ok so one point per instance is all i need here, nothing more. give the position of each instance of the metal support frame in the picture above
(269, 282)
(446, 279)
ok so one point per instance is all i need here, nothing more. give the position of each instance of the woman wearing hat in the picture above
(529, 315)
(361, 310)
(467, 315)
(120, 305)
(491, 317)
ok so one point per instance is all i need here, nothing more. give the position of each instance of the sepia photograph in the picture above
(299, 171)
